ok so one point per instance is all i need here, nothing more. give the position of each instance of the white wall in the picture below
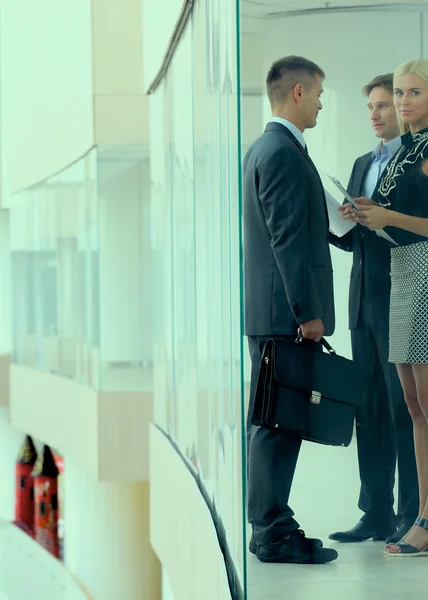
(10, 443)
(112, 443)
(253, 75)
(71, 76)
(106, 542)
(159, 20)
(46, 87)
(352, 48)
(125, 265)
(45, 579)
(167, 593)
(181, 528)
(120, 106)
(5, 278)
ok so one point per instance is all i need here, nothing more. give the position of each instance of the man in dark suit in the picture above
(288, 287)
(383, 424)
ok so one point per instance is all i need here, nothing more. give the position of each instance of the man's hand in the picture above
(312, 330)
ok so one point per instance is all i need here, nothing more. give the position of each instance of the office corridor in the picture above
(324, 497)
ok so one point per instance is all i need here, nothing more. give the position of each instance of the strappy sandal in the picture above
(404, 550)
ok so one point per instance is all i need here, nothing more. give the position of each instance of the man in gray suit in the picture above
(288, 287)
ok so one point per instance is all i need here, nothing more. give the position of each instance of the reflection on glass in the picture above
(125, 268)
(195, 236)
(54, 248)
(5, 274)
(81, 272)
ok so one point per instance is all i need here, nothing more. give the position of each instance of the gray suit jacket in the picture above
(288, 271)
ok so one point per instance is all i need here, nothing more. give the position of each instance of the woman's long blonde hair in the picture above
(420, 68)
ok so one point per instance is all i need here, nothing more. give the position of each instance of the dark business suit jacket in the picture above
(288, 271)
(370, 286)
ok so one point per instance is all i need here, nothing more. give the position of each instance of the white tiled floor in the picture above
(324, 498)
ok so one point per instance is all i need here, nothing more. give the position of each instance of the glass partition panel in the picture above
(82, 271)
(54, 250)
(125, 310)
(352, 45)
(5, 274)
(196, 248)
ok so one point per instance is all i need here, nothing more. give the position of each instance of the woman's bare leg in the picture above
(414, 379)
(421, 377)
(420, 428)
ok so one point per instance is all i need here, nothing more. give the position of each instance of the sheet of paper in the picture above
(337, 226)
(380, 232)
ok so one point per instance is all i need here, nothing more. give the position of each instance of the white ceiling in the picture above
(267, 8)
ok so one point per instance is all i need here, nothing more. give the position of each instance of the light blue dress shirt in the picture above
(294, 130)
(381, 156)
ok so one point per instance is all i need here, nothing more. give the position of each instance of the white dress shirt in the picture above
(381, 156)
(294, 130)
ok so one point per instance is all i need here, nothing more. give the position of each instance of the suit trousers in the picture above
(271, 463)
(384, 432)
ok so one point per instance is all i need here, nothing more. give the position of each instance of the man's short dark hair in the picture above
(385, 81)
(286, 73)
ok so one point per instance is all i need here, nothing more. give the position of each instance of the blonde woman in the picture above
(402, 208)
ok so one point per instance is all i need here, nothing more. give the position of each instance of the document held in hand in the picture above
(337, 225)
(380, 232)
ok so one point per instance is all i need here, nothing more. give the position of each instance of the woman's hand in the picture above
(373, 217)
(349, 212)
(363, 201)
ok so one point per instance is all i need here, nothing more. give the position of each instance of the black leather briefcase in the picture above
(312, 393)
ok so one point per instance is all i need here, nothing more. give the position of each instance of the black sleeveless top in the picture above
(404, 186)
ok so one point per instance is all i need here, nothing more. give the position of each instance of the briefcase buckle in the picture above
(316, 398)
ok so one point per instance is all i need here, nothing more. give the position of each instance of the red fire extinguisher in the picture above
(24, 487)
(45, 475)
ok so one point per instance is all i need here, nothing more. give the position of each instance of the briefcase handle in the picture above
(322, 341)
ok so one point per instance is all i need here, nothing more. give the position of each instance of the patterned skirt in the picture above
(408, 322)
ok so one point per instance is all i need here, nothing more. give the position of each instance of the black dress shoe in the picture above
(295, 548)
(399, 534)
(315, 541)
(362, 532)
